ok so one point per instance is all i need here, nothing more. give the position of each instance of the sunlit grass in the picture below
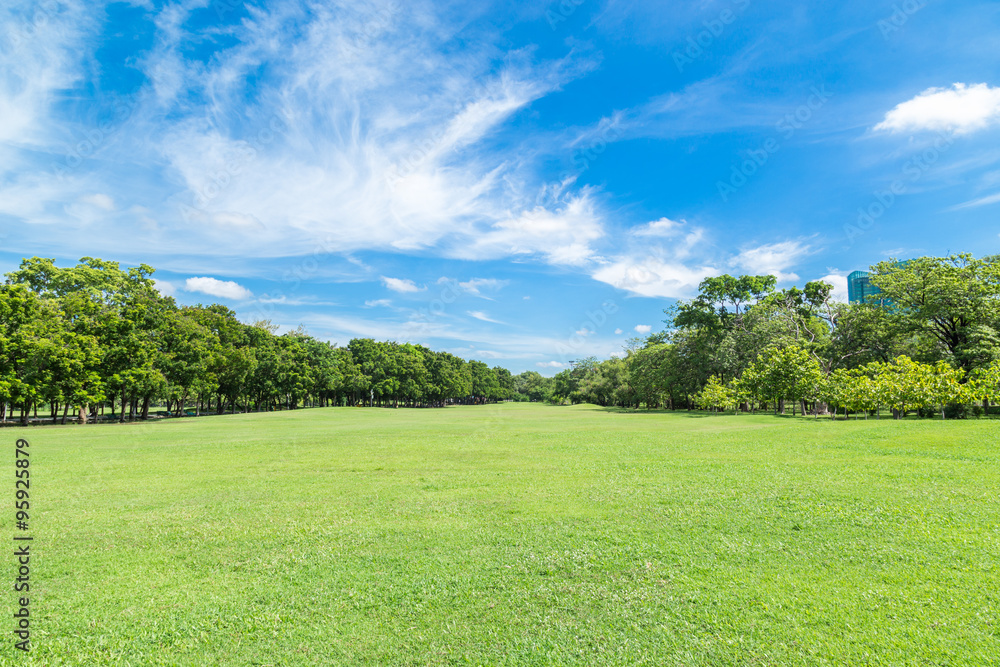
(514, 535)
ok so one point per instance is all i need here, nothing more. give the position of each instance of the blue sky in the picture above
(522, 183)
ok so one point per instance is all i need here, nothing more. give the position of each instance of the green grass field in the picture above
(512, 535)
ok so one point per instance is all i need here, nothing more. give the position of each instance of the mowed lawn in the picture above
(512, 535)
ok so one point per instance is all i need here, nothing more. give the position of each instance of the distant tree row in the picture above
(929, 342)
(95, 337)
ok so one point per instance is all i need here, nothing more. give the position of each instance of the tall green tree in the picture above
(954, 299)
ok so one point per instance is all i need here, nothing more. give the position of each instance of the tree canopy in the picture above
(97, 336)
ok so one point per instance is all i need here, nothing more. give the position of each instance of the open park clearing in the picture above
(514, 534)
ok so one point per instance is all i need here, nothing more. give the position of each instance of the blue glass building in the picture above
(860, 288)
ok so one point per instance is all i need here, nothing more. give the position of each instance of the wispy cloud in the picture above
(561, 234)
(474, 286)
(395, 162)
(401, 285)
(101, 201)
(480, 315)
(664, 227)
(981, 201)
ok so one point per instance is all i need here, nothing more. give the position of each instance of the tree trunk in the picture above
(25, 409)
(65, 412)
(145, 408)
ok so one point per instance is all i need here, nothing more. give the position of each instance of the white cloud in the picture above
(664, 227)
(489, 354)
(40, 61)
(550, 364)
(285, 301)
(402, 285)
(476, 285)
(961, 109)
(583, 332)
(643, 328)
(657, 261)
(338, 327)
(839, 283)
(561, 235)
(238, 221)
(402, 158)
(772, 259)
(376, 303)
(164, 287)
(224, 289)
(480, 315)
(653, 276)
(675, 271)
(101, 201)
(618, 332)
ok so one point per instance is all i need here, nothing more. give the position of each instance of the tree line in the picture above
(94, 337)
(927, 342)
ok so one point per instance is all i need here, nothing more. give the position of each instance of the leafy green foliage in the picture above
(95, 336)
(925, 344)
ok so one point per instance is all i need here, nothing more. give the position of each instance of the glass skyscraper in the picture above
(859, 287)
